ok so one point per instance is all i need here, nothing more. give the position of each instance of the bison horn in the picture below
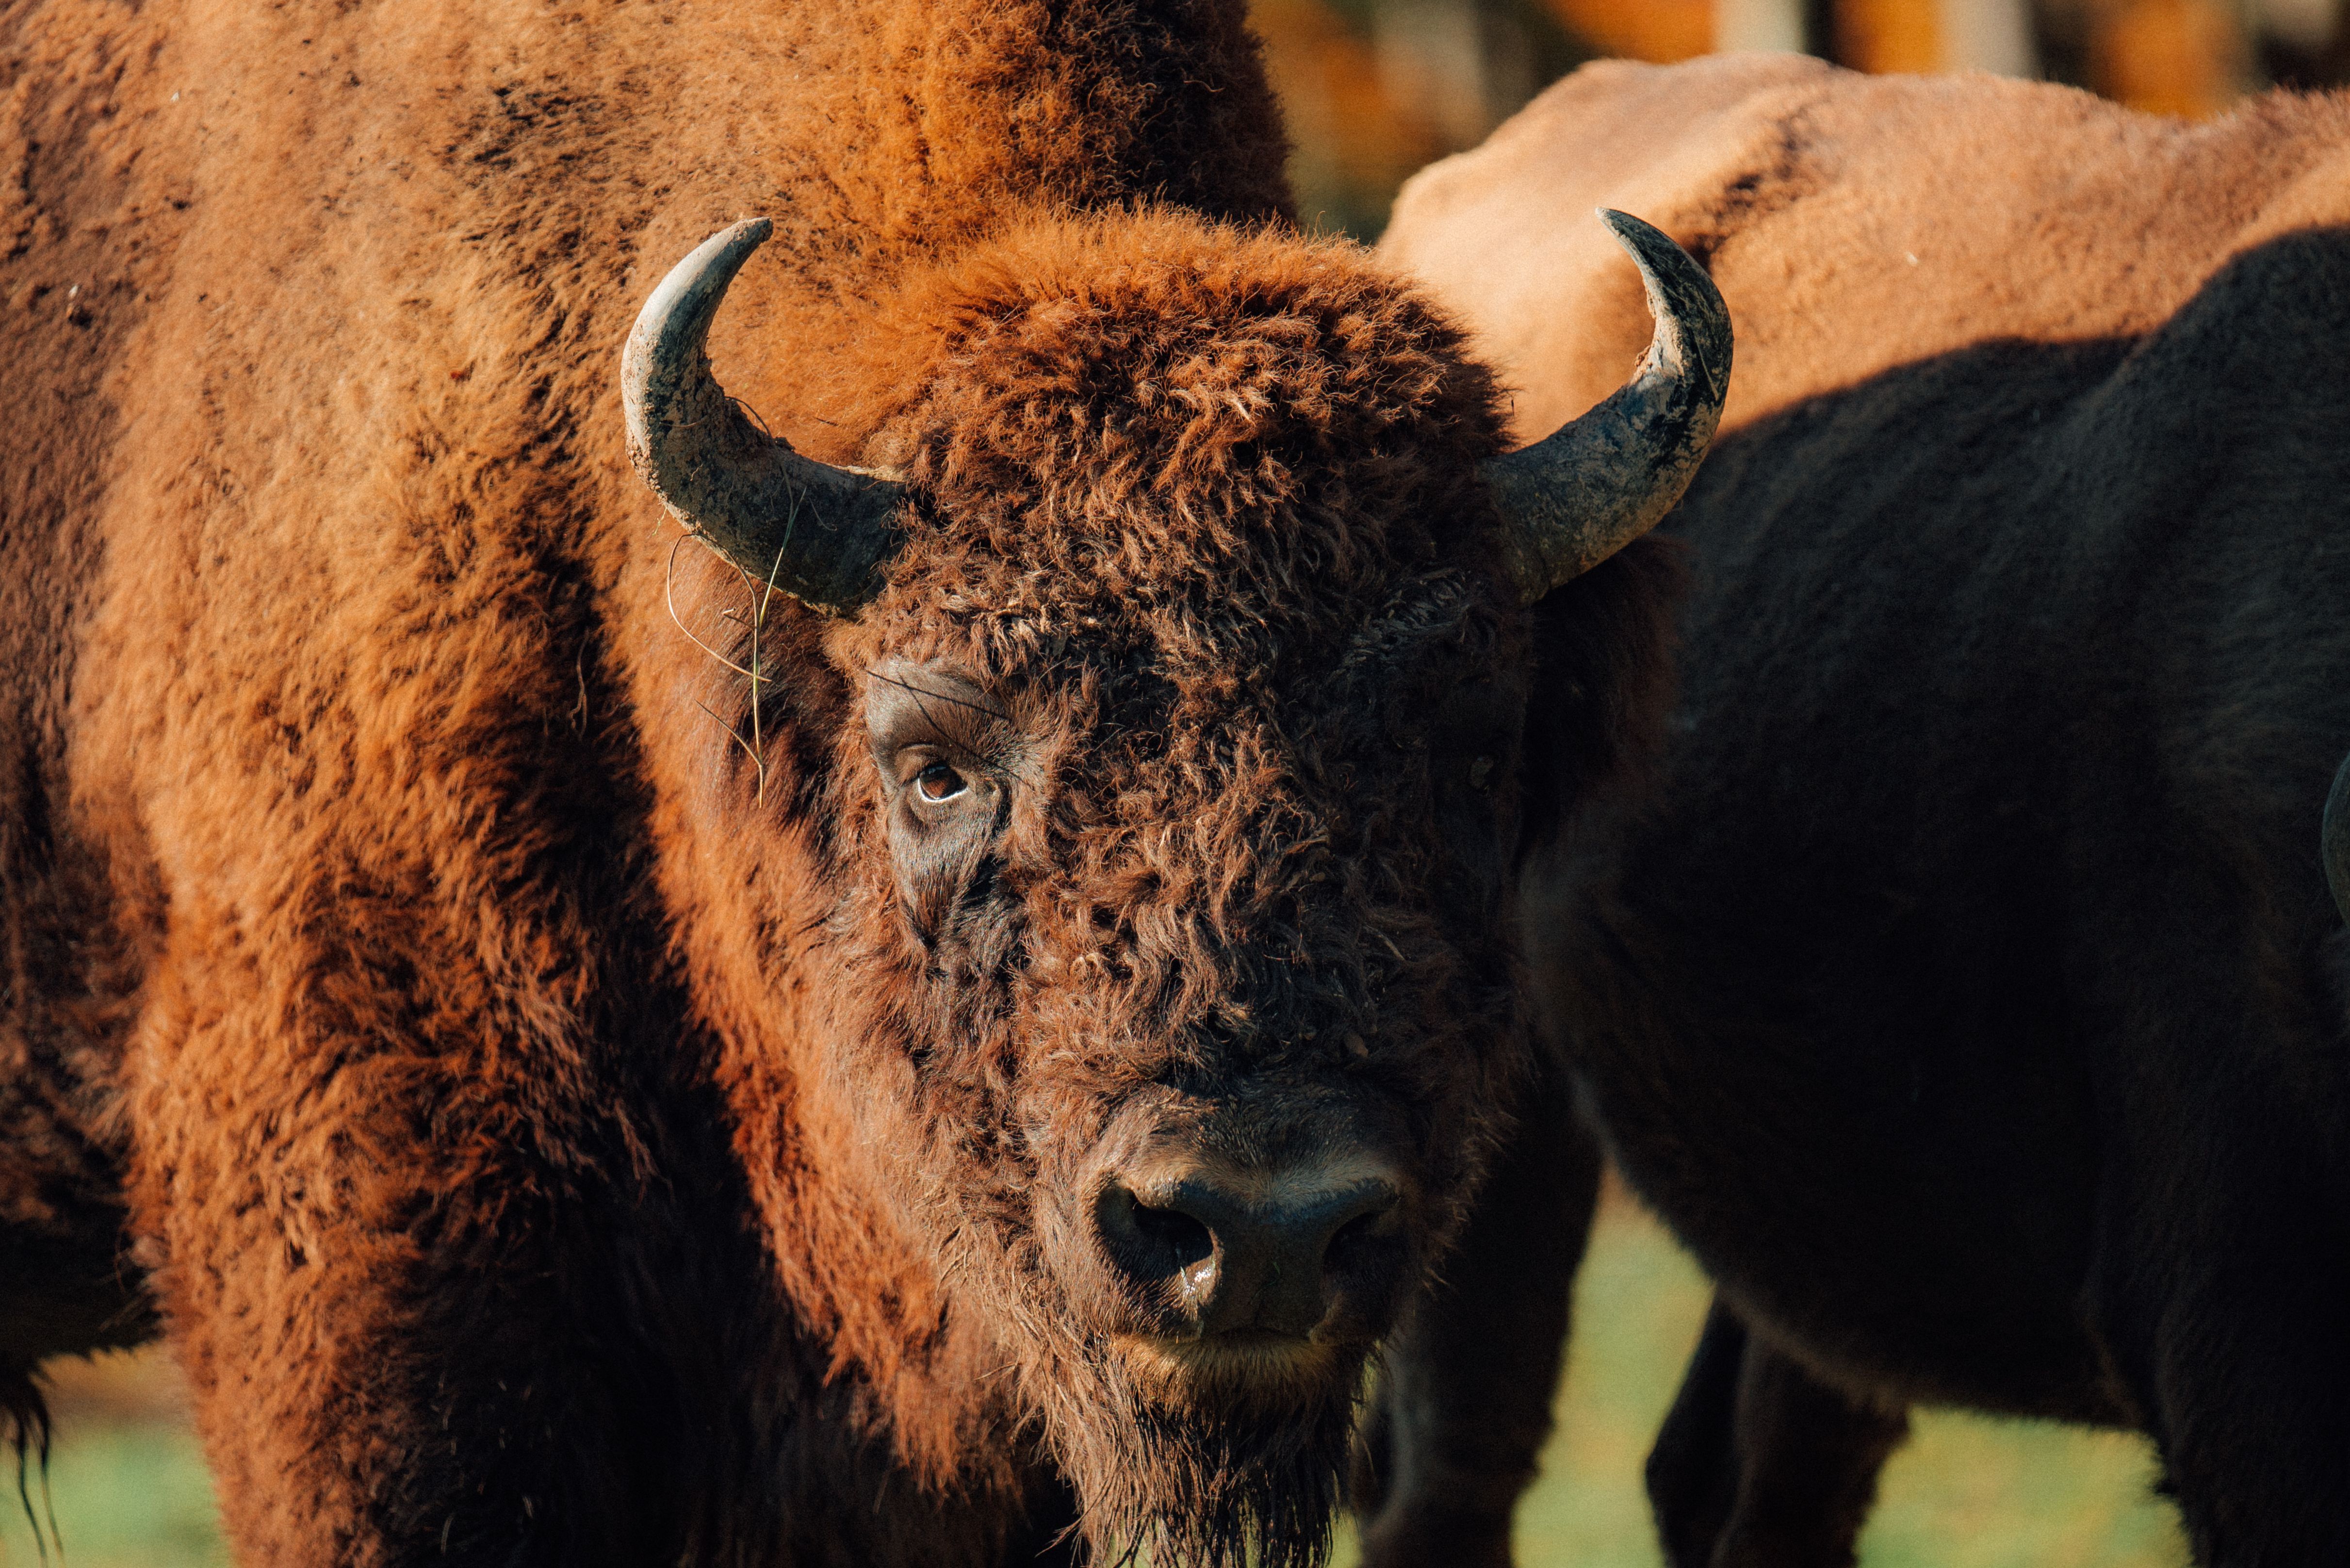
(820, 533)
(1600, 482)
(2335, 837)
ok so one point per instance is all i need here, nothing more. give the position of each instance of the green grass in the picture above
(1966, 1493)
(125, 1496)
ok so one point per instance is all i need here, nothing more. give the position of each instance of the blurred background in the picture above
(1375, 88)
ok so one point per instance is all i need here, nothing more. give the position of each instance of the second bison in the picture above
(1966, 993)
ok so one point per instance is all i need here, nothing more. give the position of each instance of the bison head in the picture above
(1168, 836)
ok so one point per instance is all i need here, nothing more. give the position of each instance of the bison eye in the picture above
(939, 783)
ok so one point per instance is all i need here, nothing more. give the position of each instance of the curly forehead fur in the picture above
(1150, 415)
(1200, 511)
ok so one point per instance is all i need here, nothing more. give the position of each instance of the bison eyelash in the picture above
(957, 750)
(902, 684)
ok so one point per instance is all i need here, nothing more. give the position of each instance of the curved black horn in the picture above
(2334, 835)
(1598, 483)
(820, 533)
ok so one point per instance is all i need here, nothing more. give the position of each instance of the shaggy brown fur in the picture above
(1966, 993)
(557, 1116)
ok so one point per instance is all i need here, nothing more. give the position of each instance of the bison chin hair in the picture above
(1201, 1485)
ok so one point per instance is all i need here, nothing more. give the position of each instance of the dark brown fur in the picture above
(1966, 992)
(555, 1116)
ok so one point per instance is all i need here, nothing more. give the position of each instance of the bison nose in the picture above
(1227, 1255)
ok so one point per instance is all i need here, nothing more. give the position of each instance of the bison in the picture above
(1963, 986)
(933, 1014)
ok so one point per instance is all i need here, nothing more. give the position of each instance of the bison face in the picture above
(1186, 1010)
(1161, 975)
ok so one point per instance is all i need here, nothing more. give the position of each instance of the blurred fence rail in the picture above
(1375, 88)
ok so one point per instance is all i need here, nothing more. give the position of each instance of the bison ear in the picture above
(1580, 494)
(2335, 837)
(822, 534)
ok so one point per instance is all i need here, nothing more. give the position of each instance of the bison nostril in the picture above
(1174, 1235)
(1163, 1251)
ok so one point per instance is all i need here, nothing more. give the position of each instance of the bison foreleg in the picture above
(429, 1311)
(1760, 1465)
(2219, 1297)
(1465, 1405)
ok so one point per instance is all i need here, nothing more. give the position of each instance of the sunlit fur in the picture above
(498, 1040)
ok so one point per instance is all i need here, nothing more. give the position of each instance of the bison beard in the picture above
(1204, 1490)
(1196, 1487)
